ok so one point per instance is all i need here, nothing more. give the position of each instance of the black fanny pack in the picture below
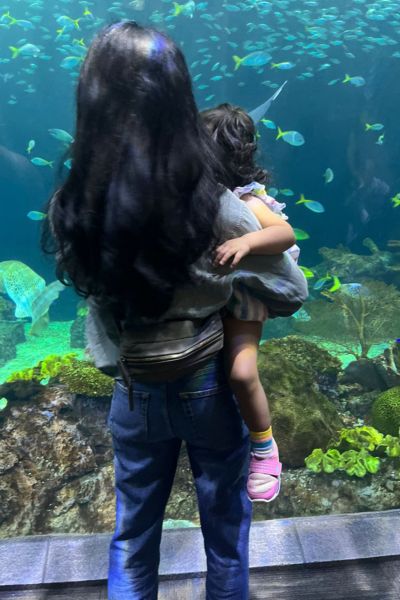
(164, 352)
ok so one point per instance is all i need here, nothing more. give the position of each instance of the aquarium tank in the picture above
(322, 81)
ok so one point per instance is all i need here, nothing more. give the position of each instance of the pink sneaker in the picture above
(264, 482)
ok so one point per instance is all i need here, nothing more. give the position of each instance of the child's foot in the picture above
(263, 484)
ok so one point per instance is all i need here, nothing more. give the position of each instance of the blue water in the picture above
(323, 42)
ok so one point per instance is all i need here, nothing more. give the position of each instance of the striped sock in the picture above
(261, 442)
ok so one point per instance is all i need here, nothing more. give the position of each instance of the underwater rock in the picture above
(77, 333)
(355, 401)
(63, 475)
(56, 467)
(371, 375)
(293, 372)
(379, 373)
(11, 334)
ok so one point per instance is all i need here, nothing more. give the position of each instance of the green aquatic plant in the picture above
(385, 412)
(360, 437)
(79, 377)
(48, 368)
(356, 316)
(358, 460)
(352, 462)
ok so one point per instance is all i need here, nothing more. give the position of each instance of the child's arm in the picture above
(275, 237)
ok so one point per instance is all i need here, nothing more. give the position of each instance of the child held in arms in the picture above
(235, 134)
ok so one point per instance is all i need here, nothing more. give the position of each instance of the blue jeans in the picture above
(200, 409)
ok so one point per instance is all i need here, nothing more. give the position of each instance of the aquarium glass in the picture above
(330, 139)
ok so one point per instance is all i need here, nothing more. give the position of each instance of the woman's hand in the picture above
(236, 248)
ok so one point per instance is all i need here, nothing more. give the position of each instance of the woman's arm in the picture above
(275, 237)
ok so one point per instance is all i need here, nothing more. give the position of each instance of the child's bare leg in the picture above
(241, 339)
(241, 345)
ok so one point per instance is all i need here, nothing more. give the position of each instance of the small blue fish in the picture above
(283, 66)
(70, 62)
(36, 215)
(25, 50)
(357, 81)
(312, 205)
(41, 162)
(268, 123)
(255, 59)
(31, 146)
(184, 9)
(294, 138)
(374, 127)
(61, 135)
(328, 175)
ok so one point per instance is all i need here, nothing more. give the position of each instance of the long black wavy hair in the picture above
(140, 202)
(235, 134)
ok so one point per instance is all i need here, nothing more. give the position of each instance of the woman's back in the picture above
(276, 279)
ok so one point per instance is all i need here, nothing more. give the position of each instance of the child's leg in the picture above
(241, 339)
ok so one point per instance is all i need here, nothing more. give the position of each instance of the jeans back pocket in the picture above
(128, 425)
(214, 417)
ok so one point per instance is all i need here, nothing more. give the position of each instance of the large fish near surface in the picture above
(29, 292)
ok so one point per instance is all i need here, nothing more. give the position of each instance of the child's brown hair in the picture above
(235, 134)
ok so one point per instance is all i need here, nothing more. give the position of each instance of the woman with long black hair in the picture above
(133, 229)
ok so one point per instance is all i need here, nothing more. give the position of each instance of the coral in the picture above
(357, 460)
(355, 319)
(385, 413)
(79, 377)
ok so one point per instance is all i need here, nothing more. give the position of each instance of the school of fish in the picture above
(283, 39)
